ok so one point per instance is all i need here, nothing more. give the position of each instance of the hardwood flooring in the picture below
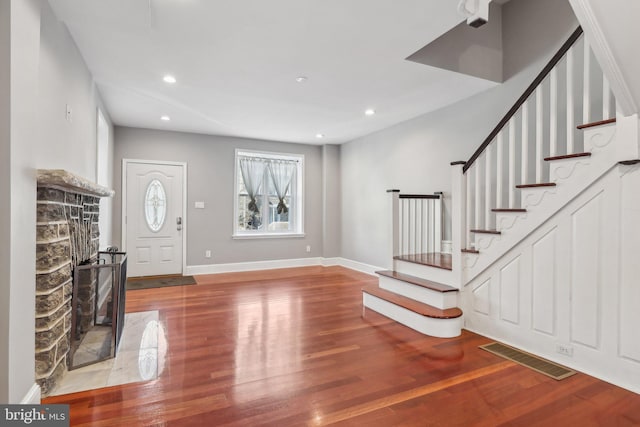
(294, 347)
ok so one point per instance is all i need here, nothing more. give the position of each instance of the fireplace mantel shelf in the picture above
(67, 181)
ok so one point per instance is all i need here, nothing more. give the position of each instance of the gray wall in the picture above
(5, 195)
(414, 156)
(46, 73)
(331, 219)
(210, 165)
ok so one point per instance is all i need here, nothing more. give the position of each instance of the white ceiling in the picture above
(236, 62)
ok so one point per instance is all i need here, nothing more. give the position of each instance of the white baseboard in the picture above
(353, 265)
(33, 396)
(251, 266)
(281, 263)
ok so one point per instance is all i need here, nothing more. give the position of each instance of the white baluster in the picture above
(468, 191)
(524, 177)
(553, 113)
(487, 187)
(512, 162)
(437, 225)
(419, 225)
(606, 99)
(539, 130)
(499, 162)
(586, 85)
(570, 102)
(412, 228)
(477, 166)
(432, 226)
(405, 226)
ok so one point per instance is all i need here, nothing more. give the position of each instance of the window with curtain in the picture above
(268, 189)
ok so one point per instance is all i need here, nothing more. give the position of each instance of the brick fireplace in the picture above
(66, 236)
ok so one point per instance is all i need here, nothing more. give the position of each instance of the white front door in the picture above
(153, 218)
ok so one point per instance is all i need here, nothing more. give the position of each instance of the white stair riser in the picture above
(433, 298)
(506, 220)
(532, 197)
(561, 170)
(434, 274)
(441, 328)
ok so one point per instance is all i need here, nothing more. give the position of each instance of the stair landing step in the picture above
(567, 156)
(412, 305)
(431, 259)
(418, 281)
(599, 123)
(542, 184)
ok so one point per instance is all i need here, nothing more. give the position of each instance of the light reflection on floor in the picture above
(140, 358)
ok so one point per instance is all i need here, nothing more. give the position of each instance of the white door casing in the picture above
(153, 217)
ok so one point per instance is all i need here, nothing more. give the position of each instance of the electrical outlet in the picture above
(207, 254)
(567, 350)
(308, 248)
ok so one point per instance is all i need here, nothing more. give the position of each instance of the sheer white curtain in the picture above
(282, 173)
(252, 171)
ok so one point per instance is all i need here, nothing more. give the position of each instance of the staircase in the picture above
(428, 306)
(536, 160)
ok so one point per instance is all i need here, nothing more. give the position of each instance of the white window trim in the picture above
(265, 234)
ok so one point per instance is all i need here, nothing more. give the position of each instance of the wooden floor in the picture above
(294, 348)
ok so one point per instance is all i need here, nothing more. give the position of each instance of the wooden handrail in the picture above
(527, 93)
(420, 196)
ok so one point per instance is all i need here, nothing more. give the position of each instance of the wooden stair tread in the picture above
(486, 231)
(543, 184)
(567, 156)
(418, 281)
(431, 259)
(470, 251)
(412, 305)
(508, 210)
(598, 123)
(629, 162)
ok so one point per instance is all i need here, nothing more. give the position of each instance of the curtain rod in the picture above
(268, 158)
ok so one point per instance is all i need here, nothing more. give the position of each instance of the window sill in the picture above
(267, 236)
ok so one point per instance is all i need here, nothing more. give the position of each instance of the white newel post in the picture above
(627, 137)
(395, 227)
(458, 220)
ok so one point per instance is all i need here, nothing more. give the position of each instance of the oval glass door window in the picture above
(155, 205)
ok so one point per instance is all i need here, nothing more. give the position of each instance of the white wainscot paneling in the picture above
(510, 292)
(586, 243)
(544, 283)
(630, 271)
(481, 298)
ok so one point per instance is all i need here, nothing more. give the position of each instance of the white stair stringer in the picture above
(569, 291)
(442, 300)
(435, 327)
(572, 176)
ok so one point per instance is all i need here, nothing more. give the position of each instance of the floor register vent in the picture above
(545, 367)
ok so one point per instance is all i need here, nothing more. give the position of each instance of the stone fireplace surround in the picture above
(66, 235)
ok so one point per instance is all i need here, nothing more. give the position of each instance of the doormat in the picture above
(538, 364)
(137, 283)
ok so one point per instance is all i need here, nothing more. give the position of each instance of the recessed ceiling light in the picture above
(169, 79)
(370, 112)
(319, 135)
(301, 79)
(165, 118)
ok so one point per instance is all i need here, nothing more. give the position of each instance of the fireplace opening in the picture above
(97, 308)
